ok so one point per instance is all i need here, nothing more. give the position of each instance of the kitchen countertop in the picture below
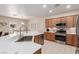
(18, 47)
(71, 33)
(31, 33)
(68, 31)
(8, 44)
(74, 33)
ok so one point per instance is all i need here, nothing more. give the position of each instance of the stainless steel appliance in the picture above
(60, 35)
(61, 32)
(77, 35)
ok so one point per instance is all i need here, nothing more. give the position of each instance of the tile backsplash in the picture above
(68, 30)
(71, 30)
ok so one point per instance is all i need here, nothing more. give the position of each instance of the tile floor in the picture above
(56, 48)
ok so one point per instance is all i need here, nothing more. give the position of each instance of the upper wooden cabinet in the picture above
(71, 21)
(62, 20)
(57, 20)
(51, 22)
(54, 22)
(48, 23)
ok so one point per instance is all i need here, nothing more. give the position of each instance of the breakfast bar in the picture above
(8, 44)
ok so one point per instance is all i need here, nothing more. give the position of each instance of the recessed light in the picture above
(68, 6)
(50, 11)
(44, 6)
(22, 23)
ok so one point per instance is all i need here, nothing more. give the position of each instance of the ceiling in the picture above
(27, 11)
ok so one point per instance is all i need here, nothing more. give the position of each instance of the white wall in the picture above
(37, 24)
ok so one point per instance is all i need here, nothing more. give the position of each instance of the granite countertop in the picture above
(31, 33)
(8, 44)
(18, 47)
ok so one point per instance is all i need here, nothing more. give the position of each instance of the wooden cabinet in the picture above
(39, 39)
(36, 39)
(70, 21)
(38, 51)
(71, 39)
(57, 20)
(75, 20)
(53, 22)
(49, 36)
(62, 20)
(48, 23)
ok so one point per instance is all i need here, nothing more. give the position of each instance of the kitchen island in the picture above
(8, 45)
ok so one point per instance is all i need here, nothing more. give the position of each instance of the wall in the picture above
(37, 24)
(8, 21)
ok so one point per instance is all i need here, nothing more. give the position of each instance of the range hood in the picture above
(61, 24)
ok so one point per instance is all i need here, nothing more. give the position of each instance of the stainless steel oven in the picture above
(60, 37)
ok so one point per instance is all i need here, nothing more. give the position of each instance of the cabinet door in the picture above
(71, 40)
(52, 38)
(48, 23)
(62, 19)
(74, 40)
(36, 39)
(53, 22)
(75, 20)
(57, 20)
(49, 36)
(70, 21)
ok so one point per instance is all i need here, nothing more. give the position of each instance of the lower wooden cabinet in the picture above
(36, 39)
(38, 51)
(71, 39)
(39, 39)
(49, 36)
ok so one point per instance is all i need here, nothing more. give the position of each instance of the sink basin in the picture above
(25, 38)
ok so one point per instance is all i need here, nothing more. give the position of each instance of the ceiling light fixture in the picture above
(68, 6)
(22, 23)
(44, 6)
(50, 11)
